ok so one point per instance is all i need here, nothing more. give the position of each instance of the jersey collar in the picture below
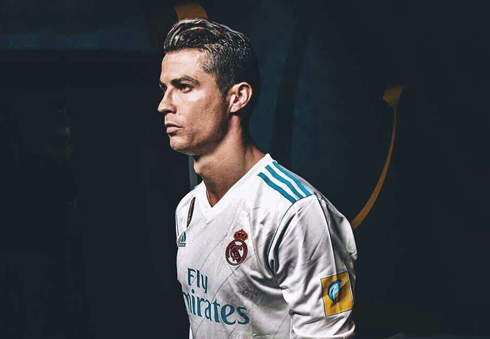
(230, 196)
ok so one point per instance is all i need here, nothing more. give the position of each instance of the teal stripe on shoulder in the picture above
(296, 181)
(277, 188)
(284, 181)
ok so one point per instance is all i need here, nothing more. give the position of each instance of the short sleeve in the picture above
(312, 257)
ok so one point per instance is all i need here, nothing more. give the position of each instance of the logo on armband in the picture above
(236, 251)
(337, 294)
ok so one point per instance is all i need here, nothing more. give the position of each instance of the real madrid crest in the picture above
(236, 251)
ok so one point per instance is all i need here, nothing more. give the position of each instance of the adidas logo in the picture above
(182, 238)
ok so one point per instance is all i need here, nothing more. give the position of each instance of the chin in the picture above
(187, 147)
(177, 148)
(180, 147)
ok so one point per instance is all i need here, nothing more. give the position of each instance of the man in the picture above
(261, 253)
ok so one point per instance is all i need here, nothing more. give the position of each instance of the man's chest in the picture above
(216, 246)
(224, 254)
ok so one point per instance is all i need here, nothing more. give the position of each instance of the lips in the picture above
(171, 128)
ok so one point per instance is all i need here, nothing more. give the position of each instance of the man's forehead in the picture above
(184, 59)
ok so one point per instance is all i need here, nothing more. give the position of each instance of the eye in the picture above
(185, 88)
(163, 88)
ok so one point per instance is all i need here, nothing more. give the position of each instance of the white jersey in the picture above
(272, 259)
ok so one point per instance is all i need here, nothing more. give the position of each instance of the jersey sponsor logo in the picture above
(191, 211)
(182, 239)
(337, 294)
(211, 310)
(237, 250)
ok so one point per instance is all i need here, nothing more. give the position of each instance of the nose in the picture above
(166, 104)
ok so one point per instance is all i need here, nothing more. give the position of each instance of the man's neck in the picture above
(224, 167)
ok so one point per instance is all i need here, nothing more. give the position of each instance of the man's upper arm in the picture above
(314, 268)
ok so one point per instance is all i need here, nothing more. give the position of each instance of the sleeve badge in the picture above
(337, 294)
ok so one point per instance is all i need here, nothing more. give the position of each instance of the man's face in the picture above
(195, 111)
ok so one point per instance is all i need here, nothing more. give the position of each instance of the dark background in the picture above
(89, 184)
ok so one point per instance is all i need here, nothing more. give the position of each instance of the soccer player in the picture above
(261, 253)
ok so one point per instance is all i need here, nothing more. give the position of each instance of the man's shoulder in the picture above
(282, 191)
(283, 186)
(286, 192)
(303, 198)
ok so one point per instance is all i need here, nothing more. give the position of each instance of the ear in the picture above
(240, 95)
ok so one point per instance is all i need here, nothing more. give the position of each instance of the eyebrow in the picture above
(178, 81)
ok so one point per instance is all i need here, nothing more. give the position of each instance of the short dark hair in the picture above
(230, 55)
